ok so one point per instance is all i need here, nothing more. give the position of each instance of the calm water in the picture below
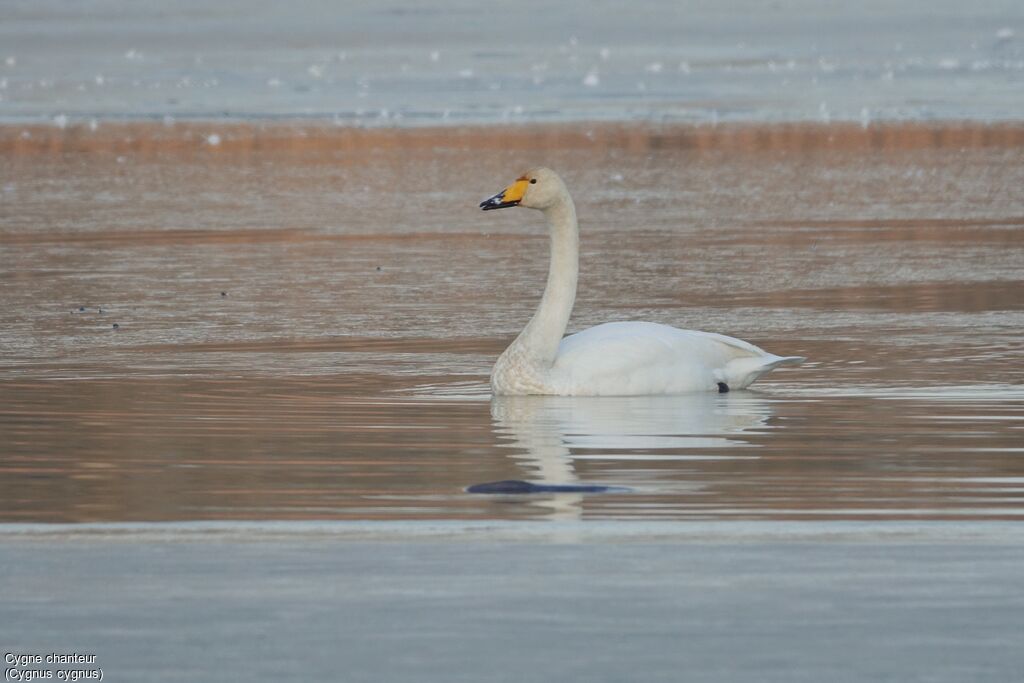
(305, 328)
(248, 294)
(457, 61)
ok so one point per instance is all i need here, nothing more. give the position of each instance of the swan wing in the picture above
(649, 358)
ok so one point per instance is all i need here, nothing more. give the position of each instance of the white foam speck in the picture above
(315, 70)
(274, 82)
(213, 140)
(465, 73)
(435, 56)
(168, 120)
(949, 64)
(591, 79)
(684, 67)
(605, 54)
(61, 121)
(654, 67)
(10, 61)
(133, 54)
(93, 124)
(1004, 33)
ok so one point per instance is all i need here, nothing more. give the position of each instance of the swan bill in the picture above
(510, 196)
(496, 202)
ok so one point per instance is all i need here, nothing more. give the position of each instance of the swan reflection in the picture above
(545, 430)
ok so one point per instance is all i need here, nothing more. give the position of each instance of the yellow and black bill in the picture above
(510, 196)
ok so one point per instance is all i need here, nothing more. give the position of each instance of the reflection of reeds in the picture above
(359, 270)
(245, 138)
(357, 447)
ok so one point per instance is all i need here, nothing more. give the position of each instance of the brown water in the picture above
(306, 319)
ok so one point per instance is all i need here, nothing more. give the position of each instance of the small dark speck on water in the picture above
(116, 326)
(223, 293)
(81, 309)
(378, 267)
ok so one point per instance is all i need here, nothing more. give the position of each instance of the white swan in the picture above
(614, 359)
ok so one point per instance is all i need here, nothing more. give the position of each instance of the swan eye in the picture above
(533, 181)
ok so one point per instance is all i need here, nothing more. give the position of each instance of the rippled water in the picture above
(304, 327)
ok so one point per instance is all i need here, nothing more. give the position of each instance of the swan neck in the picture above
(543, 334)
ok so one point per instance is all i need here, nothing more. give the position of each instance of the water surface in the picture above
(305, 321)
(402, 63)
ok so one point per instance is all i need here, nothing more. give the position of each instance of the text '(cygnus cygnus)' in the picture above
(614, 359)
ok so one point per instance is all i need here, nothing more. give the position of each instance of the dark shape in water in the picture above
(723, 388)
(517, 486)
(116, 326)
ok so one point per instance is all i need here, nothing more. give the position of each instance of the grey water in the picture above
(249, 308)
(402, 63)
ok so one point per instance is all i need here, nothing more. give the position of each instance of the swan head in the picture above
(538, 188)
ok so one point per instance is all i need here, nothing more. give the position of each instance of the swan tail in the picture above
(779, 361)
(742, 372)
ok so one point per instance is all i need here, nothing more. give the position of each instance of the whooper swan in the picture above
(614, 359)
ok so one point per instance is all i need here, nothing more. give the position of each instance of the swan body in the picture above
(613, 359)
